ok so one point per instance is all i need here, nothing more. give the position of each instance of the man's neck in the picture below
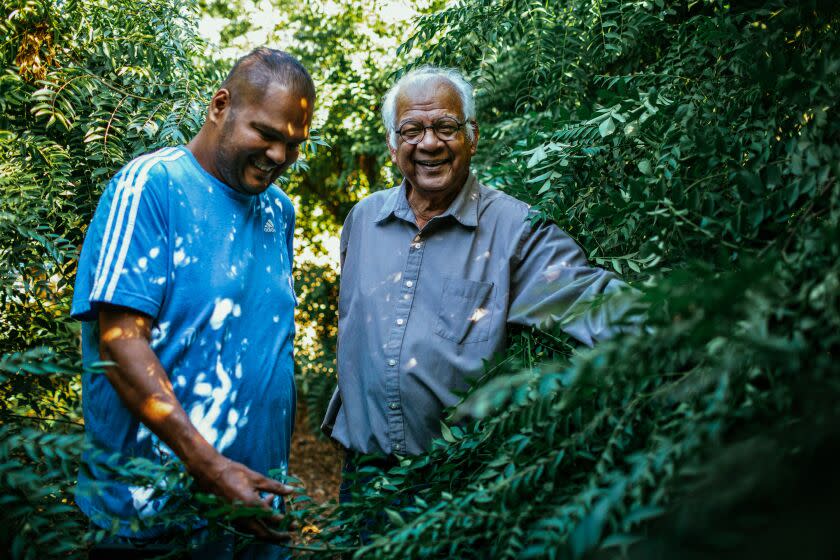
(198, 147)
(426, 205)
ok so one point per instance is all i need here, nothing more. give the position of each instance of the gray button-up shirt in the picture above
(420, 310)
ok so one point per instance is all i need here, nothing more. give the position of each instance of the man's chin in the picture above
(256, 185)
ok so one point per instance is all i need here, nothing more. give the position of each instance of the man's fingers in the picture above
(268, 504)
(275, 487)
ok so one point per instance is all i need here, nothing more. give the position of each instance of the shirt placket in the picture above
(411, 273)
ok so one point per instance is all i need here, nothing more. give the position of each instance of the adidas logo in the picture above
(269, 226)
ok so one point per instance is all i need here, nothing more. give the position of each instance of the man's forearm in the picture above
(141, 382)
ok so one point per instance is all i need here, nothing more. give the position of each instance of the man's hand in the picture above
(144, 387)
(236, 483)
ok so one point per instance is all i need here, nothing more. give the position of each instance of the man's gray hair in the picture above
(419, 76)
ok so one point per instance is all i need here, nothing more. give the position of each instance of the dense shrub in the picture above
(86, 85)
(693, 148)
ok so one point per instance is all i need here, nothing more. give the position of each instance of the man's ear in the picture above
(474, 125)
(391, 149)
(219, 106)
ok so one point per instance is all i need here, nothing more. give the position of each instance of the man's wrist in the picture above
(205, 463)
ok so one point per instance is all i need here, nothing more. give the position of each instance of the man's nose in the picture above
(430, 140)
(277, 153)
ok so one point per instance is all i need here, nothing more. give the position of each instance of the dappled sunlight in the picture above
(205, 414)
(553, 272)
(223, 307)
(688, 147)
(156, 409)
(136, 329)
(112, 334)
(478, 314)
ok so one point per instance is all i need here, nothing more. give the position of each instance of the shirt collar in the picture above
(395, 205)
(464, 209)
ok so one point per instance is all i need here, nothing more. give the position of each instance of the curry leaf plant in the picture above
(86, 85)
(692, 147)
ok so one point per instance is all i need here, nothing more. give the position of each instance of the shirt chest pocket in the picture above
(466, 310)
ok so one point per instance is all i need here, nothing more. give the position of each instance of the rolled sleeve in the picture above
(552, 283)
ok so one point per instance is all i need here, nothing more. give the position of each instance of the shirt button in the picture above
(400, 321)
(397, 447)
(418, 245)
(409, 283)
(393, 406)
(392, 362)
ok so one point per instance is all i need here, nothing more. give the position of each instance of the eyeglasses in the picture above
(446, 128)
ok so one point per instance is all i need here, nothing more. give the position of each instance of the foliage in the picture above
(316, 319)
(692, 148)
(86, 86)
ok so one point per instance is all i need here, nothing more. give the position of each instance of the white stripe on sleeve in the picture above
(128, 190)
(129, 230)
(116, 204)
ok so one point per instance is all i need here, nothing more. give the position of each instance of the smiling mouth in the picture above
(432, 164)
(265, 168)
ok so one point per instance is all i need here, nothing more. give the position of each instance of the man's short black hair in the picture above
(254, 72)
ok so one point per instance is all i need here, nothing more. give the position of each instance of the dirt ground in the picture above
(316, 462)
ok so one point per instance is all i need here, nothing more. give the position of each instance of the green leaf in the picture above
(545, 188)
(606, 128)
(538, 156)
(447, 433)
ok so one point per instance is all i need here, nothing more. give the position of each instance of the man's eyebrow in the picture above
(266, 128)
(271, 131)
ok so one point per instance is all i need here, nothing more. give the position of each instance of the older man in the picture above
(433, 272)
(185, 286)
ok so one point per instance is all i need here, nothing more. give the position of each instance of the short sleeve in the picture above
(554, 283)
(125, 256)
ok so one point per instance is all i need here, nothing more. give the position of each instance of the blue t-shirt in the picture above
(212, 267)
